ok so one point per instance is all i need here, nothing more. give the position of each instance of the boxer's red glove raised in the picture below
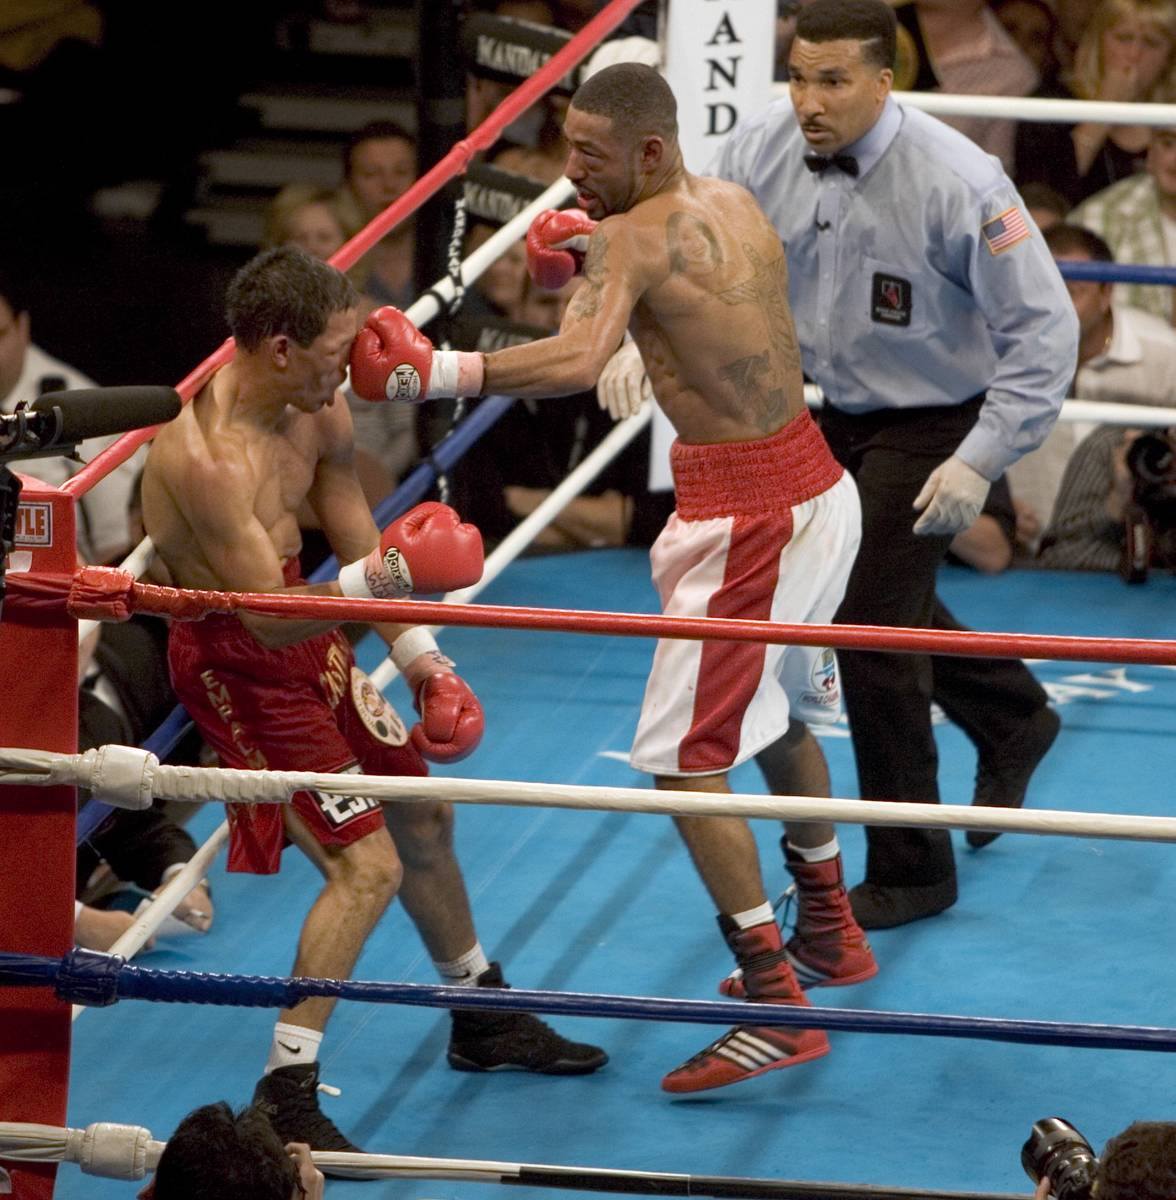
(451, 721)
(556, 244)
(392, 360)
(429, 549)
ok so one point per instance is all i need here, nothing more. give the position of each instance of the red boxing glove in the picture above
(556, 244)
(451, 718)
(451, 721)
(392, 360)
(429, 549)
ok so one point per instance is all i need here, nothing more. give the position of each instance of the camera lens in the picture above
(1149, 458)
(1056, 1149)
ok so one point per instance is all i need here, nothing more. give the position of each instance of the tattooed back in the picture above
(712, 322)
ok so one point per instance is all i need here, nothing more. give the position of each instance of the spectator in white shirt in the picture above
(26, 372)
(1125, 356)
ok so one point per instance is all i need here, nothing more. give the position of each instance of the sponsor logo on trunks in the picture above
(34, 524)
(378, 716)
(397, 570)
(823, 680)
(890, 301)
(339, 810)
(333, 680)
(218, 696)
(408, 382)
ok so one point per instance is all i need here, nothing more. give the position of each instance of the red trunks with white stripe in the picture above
(767, 530)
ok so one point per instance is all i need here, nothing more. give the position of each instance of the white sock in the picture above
(464, 971)
(292, 1046)
(817, 853)
(760, 915)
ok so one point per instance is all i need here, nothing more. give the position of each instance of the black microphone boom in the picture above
(100, 412)
(57, 421)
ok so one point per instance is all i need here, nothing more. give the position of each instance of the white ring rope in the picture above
(1033, 108)
(43, 768)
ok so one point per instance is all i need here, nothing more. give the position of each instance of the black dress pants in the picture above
(888, 696)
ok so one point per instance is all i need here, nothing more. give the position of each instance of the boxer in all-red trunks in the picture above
(222, 490)
(305, 707)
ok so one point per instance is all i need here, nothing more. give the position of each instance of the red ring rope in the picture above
(108, 594)
(456, 161)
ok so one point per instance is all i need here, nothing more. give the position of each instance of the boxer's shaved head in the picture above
(634, 97)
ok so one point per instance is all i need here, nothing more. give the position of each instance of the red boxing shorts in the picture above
(305, 707)
(763, 530)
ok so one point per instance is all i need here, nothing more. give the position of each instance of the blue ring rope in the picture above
(91, 978)
(415, 485)
(1110, 272)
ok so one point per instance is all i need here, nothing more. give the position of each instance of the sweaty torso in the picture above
(209, 456)
(714, 326)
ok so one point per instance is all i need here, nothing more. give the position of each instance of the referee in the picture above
(933, 318)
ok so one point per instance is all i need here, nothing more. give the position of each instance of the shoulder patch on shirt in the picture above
(890, 300)
(1003, 232)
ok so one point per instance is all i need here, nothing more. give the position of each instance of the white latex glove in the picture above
(623, 386)
(951, 499)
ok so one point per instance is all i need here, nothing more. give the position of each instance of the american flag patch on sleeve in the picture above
(1005, 231)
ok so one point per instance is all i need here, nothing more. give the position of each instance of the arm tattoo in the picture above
(587, 300)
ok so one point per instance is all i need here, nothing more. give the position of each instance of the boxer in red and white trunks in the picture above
(767, 524)
(221, 493)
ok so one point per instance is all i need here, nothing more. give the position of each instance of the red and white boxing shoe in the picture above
(750, 1050)
(828, 948)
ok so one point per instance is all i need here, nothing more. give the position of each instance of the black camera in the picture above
(1150, 519)
(1057, 1151)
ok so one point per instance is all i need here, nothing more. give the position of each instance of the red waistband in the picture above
(748, 479)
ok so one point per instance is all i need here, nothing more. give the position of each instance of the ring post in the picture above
(39, 654)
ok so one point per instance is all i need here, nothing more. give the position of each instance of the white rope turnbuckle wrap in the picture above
(41, 767)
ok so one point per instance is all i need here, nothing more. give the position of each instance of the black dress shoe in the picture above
(1002, 776)
(878, 907)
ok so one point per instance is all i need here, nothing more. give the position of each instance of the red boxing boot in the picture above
(829, 948)
(750, 1050)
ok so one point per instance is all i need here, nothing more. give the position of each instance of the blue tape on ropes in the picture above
(88, 977)
(1104, 272)
(446, 455)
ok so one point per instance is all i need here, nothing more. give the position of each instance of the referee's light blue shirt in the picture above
(911, 285)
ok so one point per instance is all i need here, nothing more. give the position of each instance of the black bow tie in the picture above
(820, 163)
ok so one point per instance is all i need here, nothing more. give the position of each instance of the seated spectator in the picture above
(959, 46)
(1125, 356)
(306, 216)
(501, 284)
(1033, 25)
(1046, 206)
(215, 1152)
(1126, 54)
(26, 372)
(379, 166)
(1136, 218)
(1088, 528)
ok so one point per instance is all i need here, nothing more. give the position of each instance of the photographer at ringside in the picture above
(1116, 508)
(1137, 1164)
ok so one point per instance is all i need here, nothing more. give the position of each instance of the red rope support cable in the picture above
(104, 593)
(454, 163)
